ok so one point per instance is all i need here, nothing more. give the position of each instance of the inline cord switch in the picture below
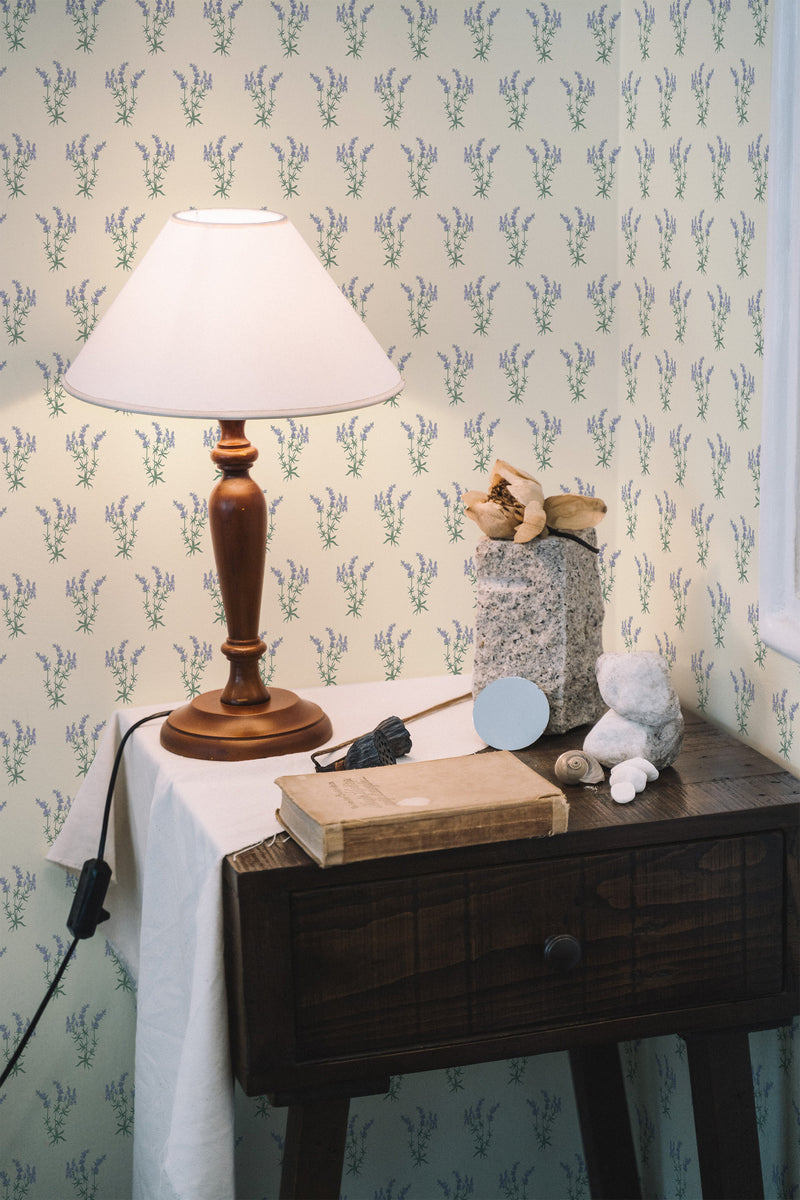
(87, 910)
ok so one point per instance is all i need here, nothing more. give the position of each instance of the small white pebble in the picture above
(627, 771)
(623, 791)
(642, 763)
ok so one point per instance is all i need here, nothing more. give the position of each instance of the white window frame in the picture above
(779, 524)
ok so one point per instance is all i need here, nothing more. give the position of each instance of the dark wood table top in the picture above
(717, 782)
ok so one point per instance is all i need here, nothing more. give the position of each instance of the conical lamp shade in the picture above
(230, 314)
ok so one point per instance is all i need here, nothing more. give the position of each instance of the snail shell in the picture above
(576, 766)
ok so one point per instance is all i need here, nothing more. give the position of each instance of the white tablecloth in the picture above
(173, 821)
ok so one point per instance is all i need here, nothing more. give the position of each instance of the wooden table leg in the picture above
(725, 1115)
(313, 1153)
(605, 1125)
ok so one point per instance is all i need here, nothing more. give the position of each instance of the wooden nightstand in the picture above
(675, 913)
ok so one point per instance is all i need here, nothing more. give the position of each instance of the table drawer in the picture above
(417, 961)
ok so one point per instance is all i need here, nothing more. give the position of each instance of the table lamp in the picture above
(230, 315)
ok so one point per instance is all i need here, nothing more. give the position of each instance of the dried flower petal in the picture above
(533, 522)
(492, 518)
(574, 512)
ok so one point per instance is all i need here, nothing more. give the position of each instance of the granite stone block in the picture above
(540, 615)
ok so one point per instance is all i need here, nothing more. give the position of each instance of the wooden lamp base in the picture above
(210, 729)
(245, 719)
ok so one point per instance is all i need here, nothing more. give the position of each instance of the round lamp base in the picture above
(208, 729)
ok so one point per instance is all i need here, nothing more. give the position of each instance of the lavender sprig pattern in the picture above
(193, 664)
(329, 516)
(83, 451)
(390, 506)
(16, 164)
(421, 20)
(15, 22)
(329, 95)
(155, 593)
(290, 165)
(83, 742)
(58, 86)
(16, 603)
(155, 164)
(291, 20)
(456, 644)
(17, 453)
(124, 90)
(353, 162)
(553, 218)
(456, 368)
(329, 654)
(84, 162)
(353, 581)
(156, 16)
(124, 524)
(354, 25)
(156, 448)
(221, 161)
(515, 233)
(291, 585)
(84, 308)
(17, 310)
(420, 163)
(83, 14)
(263, 94)
(391, 92)
(194, 93)
(391, 234)
(56, 527)
(85, 599)
(15, 752)
(221, 19)
(390, 649)
(57, 236)
(123, 667)
(291, 447)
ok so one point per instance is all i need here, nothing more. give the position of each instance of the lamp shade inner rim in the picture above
(229, 216)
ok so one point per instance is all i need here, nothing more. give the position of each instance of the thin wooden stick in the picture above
(425, 712)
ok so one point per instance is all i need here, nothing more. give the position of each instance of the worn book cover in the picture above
(345, 816)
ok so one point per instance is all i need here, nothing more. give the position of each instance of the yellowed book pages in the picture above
(346, 816)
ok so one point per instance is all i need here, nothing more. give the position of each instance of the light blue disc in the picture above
(510, 713)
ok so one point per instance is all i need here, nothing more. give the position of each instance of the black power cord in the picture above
(87, 910)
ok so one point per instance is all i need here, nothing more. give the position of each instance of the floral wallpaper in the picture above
(553, 218)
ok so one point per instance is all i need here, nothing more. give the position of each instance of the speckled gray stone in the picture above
(540, 615)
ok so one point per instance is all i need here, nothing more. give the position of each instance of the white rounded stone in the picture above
(623, 791)
(628, 771)
(644, 765)
(637, 685)
(614, 739)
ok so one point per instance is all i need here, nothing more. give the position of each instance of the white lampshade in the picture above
(230, 314)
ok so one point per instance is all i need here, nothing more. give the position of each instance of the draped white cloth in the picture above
(173, 821)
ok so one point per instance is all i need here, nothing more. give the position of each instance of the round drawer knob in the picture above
(562, 951)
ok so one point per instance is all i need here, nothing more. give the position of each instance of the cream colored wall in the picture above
(411, 593)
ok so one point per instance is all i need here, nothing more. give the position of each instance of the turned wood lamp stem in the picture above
(237, 517)
(245, 719)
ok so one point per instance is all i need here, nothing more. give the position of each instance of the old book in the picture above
(345, 816)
